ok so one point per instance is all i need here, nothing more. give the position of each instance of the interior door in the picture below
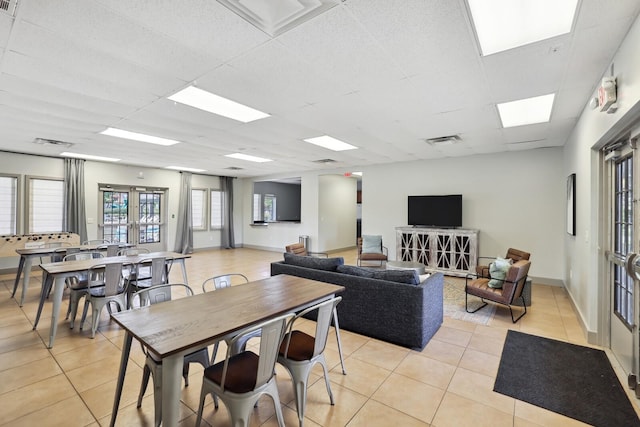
(134, 215)
(622, 167)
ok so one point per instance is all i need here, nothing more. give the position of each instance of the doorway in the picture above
(621, 168)
(134, 215)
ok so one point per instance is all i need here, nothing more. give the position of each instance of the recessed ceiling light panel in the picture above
(330, 143)
(120, 133)
(505, 24)
(248, 158)
(89, 157)
(212, 103)
(526, 111)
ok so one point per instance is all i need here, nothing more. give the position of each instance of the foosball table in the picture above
(9, 243)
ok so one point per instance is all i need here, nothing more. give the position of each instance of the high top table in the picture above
(27, 255)
(59, 271)
(177, 327)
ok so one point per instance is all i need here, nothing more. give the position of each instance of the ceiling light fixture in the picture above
(526, 111)
(120, 133)
(330, 143)
(504, 24)
(248, 158)
(89, 157)
(185, 169)
(207, 101)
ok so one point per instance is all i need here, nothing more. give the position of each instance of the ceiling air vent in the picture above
(444, 140)
(324, 161)
(44, 141)
(8, 6)
(234, 168)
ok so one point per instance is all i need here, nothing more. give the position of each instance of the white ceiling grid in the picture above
(383, 75)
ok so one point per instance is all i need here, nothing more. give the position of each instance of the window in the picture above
(149, 217)
(257, 211)
(45, 205)
(199, 209)
(216, 209)
(115, 216)
(8, 204)
(623, 239)
(269, 208)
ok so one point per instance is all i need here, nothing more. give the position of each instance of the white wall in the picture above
(336, 212)
(515, 199)
(584, 251)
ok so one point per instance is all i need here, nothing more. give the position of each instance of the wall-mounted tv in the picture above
(435, 211)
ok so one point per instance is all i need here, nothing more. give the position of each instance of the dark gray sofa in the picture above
(403, 314)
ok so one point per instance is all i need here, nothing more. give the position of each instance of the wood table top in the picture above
(85, 264)
(183, 323)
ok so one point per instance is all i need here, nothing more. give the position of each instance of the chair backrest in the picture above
(133, 251)
(158, 267)
(96, 242)
(223, 281)
(517, 255)
(323, 322)
(77, 256)
(113, 249)
(515, 280)
(296, 248)
(109, 275)
(271, 333)
(160, 293)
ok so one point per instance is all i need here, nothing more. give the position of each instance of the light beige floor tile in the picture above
(477, 361)
(100, 399)
(143, 416)
(68, 412)
(412, 397)
(93, 352)
(35, 397)
(362, 377)
(320, 410)
(381, 354)
(453, 336)
(479, 388)
(23, 356)
(428, 371)
(487, 344)
(457, 411)
(375, 414)
(18, 377)
(443, 351)
(93, 374)
(544, 417)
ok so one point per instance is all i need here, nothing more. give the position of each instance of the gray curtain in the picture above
(75, 215)
(184, 233)
(227, 240)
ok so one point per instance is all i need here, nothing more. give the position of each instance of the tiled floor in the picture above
(449, 383)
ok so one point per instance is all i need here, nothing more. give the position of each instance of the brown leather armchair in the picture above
(299, 249)
(381, 256)
(512, 254)
(511, 288)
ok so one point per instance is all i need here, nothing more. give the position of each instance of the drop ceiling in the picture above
(382, 75)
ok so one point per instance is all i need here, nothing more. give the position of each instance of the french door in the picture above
(134, 215)
(622, 167)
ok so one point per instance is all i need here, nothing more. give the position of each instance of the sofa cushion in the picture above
(355, 271)
(371, 244)
(409, 277)
(328, 264)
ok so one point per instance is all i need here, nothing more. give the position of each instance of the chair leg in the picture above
(337, 328)
(524, 304)
(143, 387)
(466, 304)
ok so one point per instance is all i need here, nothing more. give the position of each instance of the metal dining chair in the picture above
(105, 286)
(152, 366)
(78, 284)
(241, 379)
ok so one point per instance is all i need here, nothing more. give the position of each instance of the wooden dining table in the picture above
(57, 272)
(26, 261)
(174, 328)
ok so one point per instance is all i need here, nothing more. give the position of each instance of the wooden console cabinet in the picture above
(453, 251)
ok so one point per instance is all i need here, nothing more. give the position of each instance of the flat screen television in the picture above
(435, 211)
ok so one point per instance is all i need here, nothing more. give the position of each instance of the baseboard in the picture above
(547, 281)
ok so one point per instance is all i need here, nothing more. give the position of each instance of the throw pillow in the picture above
(328, 264)
(409, 277)
(371, 244)
(355, 271)
(498, 272)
